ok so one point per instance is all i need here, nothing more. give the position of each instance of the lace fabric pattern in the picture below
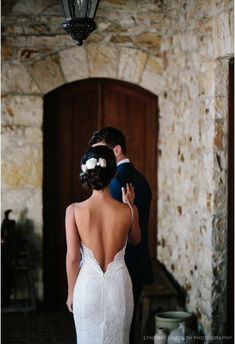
(103, 301)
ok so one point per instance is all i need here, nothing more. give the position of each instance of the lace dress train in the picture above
(103, 301)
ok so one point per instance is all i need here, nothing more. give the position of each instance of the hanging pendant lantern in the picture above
(79, 18)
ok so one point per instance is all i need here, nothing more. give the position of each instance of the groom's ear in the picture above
(117, 150)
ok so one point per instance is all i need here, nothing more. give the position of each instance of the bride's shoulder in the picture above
(120, 205)
(74, 210)
(73, 206)
(69, 213)
(70, 208)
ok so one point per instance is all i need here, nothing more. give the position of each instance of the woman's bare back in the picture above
(103, 225)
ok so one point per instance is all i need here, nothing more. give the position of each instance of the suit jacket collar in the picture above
(124, 165)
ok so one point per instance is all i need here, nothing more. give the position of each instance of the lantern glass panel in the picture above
(79, 8)
(86, 8)
(67, 9)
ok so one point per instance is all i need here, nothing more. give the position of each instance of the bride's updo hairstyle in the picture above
(98, 167)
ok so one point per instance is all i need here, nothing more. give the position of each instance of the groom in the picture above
(137, 257)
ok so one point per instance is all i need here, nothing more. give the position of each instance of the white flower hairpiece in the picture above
(92, 163)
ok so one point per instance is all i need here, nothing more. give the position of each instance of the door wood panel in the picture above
(71, 114)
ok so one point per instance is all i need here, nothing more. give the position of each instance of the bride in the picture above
(99, 286)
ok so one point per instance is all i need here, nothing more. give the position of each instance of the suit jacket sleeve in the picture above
(115, 189)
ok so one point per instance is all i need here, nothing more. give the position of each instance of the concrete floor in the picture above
(41, 328)
(45, 327)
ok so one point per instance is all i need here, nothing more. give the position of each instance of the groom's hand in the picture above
(128, 194)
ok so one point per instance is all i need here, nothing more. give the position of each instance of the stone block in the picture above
(12, 30)
(153, 78)
(53, 9)
(25, 172)
(204, 26)
(102, 60)
(7, 51)
(207, 79)
(21, 158)
(74, 63)
(219, 136)
(123, 39)
(47, 73)
(22, 110)
(16, 78)
(231, 24)
(30, 7)
(52, 42)
(221, 77)
(221, 35)
(167, 43)
(220, 106)
(55, 24)
(131, 64)
(207, 165)
(206, 127)
(189, 41)
(206, 47)
(36, 29)
(20, 41)
(95, 38)
(148, 40)
(207, 107)
(28, 54)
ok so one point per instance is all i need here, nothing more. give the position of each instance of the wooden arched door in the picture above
(71, 114)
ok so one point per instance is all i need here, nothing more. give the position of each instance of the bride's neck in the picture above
(105, 193)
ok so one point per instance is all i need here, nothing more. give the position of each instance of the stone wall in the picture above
(179, 50)
(197, 38)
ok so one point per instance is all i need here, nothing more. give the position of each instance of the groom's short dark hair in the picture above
(110, 136)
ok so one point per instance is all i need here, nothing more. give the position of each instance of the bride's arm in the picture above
(134, 235)
(128, 196)
(73, 255)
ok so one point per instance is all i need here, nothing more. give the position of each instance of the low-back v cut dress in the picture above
(102, 301)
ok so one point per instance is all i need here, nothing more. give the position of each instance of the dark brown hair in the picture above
(98, 177)
(110, 136)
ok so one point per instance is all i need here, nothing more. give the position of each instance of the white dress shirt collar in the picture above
(123, 161)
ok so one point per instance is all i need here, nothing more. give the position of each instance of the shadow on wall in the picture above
(21, 258)
(182, 293)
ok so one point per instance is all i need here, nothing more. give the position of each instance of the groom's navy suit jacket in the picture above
(137, 256)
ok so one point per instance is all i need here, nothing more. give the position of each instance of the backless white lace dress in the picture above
(103, 301)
